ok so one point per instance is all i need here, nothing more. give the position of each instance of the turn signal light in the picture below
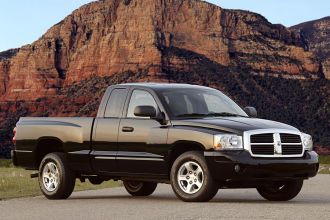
(14, 137)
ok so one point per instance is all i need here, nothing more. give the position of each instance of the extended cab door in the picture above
(142, 141)
(105, 132)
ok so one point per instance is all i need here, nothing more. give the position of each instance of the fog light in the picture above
(237, 168)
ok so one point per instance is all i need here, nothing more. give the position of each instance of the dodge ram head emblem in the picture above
(277, 144)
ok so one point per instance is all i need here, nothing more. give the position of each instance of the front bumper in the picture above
(239, 166)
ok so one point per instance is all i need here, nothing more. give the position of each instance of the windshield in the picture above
(188, 103)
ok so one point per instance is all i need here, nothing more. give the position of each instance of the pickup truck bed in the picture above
(36, 138)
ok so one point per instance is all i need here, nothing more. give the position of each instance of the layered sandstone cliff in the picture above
(113, 36)
(316, 34)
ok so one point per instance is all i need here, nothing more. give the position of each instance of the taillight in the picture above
(14, 137)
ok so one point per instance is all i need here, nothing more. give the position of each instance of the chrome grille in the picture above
(262, 144)
(262, 138)
(288, 149)
(290, 138)
(277, 143)
(291, 144)
(262, 149)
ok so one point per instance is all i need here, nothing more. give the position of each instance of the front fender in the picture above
(201, 136)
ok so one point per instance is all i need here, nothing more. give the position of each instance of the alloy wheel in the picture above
(50, 176)
(190, 177)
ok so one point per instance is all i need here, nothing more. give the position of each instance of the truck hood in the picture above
(233, 124)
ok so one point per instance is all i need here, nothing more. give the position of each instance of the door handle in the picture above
(127, 129)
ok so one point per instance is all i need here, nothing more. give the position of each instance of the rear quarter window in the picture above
(115, 103)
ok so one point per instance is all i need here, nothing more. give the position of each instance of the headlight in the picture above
(307, 141)
(228, 142)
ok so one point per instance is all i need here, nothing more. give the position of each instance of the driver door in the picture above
(141, 140)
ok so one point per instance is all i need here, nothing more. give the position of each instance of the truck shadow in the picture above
(172, 198)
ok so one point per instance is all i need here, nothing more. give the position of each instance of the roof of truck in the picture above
(162, 85)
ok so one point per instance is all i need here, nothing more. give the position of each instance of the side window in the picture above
(115, 103)
(138, 98)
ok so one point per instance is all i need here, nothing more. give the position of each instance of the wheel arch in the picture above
(181, 147)
(46, 145)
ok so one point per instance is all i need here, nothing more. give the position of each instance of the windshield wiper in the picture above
(192, 115)
(225, 114)
(212, 114)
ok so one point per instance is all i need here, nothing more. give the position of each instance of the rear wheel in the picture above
(137, 188)
(56, 180)
(191, 179)
(281, 191)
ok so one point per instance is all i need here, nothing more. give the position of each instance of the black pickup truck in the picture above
(193, 137)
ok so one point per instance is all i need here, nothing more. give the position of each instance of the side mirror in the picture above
(150, 111)
(145, 111)
(251, 111)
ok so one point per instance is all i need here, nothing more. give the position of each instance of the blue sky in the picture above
(22, 23)
(286, 12)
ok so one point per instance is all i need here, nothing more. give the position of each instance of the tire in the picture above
(137, 188)
(196, 183)
(281, 191)
(56, 180)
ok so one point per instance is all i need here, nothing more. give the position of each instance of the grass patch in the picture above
(6, 163)
(324, 172)
(324, 169)
(325, 159)
(16, 182)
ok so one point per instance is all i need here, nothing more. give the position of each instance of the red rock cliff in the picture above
(316, 35)
(113, 36)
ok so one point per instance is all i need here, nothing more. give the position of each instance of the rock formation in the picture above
(107, 37)
(316, 35)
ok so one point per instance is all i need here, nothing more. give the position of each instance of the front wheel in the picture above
(281, 191)
(137, 188)
(56, 180)
(191, 179)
